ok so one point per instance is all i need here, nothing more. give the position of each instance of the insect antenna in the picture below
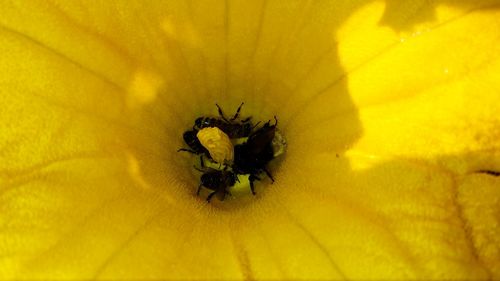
(237, 112)
(246, 119)
(221, 114)
(256, 124)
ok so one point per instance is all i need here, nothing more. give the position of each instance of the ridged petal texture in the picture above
(390, 110)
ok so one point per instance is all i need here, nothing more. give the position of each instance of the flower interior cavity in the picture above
(233, 153)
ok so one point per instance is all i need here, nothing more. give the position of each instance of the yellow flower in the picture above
(390, 109)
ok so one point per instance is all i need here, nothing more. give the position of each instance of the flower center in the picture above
(232, 154)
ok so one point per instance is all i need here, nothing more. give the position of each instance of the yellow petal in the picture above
(389, 111)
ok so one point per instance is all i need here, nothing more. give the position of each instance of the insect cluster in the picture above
(231, 149)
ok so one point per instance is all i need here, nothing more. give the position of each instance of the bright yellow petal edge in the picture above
(390, 111)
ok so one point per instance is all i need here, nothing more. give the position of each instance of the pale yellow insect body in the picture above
(217, 143)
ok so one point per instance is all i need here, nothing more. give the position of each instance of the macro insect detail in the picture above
(232, 151)
(217, 143)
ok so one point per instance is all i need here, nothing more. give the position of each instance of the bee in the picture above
(253, 156)
(237, 147)
(233, 130)
(194, 144)
(219, 181)
(217, 143)
(229, 126)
